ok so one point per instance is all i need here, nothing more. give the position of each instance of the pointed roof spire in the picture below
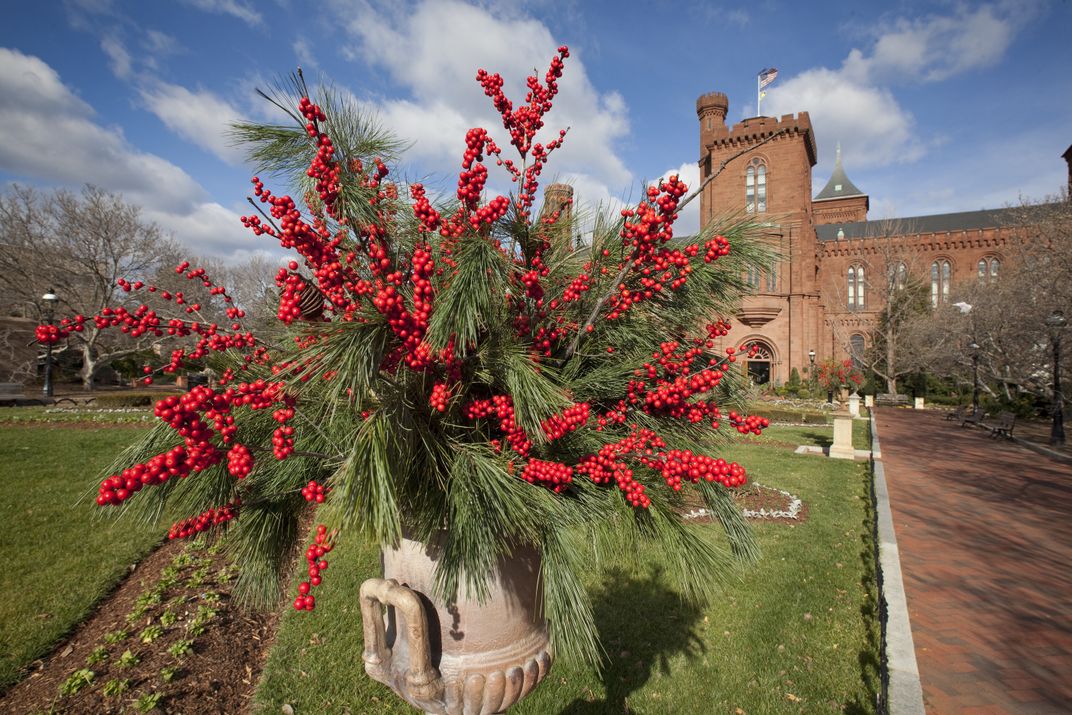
(839, 184)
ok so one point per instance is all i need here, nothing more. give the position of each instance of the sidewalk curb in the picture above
(904, 692)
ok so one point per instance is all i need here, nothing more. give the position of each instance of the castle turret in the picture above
(711, 110)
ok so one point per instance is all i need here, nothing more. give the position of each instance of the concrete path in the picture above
(984, 531)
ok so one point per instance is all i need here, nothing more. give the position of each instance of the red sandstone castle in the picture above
(836, 267)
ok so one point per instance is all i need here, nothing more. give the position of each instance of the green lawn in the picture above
(59, 558)
(799, 633)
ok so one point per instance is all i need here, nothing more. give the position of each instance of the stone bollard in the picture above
(842, 446)
(854, 405)
(919, 403)
(869, 401)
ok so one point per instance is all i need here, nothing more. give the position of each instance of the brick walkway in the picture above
(984, 531)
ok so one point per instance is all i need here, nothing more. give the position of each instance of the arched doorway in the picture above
(758, 367)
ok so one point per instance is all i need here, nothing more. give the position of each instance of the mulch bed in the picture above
(227, 646)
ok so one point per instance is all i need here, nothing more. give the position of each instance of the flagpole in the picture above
(759, 96)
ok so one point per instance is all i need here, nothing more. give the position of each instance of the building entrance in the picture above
(759, 365)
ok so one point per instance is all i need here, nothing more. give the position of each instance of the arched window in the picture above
(856, 348)
(988, 269)
(755, 187)
(856, 287)
(941, 278)
(898, 276)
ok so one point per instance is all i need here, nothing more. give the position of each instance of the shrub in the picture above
(128, 399)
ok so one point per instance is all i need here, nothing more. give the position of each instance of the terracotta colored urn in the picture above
(464, 657)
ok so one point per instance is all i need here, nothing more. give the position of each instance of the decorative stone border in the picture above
(795, 505)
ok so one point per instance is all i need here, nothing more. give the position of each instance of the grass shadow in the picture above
(819, 439)
(626, 610)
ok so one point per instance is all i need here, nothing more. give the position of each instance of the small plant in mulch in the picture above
(136, 657)
(115, 687)
(78, 680)
(147, 701)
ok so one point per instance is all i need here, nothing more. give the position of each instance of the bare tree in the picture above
(885, 299)
(79, 246)
(1010, 311)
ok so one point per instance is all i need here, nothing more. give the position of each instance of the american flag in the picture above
(767, 76)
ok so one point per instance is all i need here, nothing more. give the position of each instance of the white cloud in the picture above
(934, 48)
(304, 54)
(52, 135)
(199, 117)
(853, 103)
(874, 130)
(433, 50)
(236, 8)
(160, 44)
(119, 60)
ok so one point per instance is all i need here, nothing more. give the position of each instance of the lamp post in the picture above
(1057, 322)
(50, 308)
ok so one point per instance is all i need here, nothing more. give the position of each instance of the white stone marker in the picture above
(842, 446)
(919, 403)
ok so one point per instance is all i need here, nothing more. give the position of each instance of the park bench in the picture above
(1003, 427)
(957, 414)
(975, 417)
(11, 393)
(891, 400)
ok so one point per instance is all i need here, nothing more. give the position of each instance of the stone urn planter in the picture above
(453, 658)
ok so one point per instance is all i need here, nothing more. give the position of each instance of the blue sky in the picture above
(938, 106)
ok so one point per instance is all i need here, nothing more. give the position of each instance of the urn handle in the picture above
(422, 679)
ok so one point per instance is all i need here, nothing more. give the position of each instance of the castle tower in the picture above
(711, 111)
(840, 201)
(767, 174)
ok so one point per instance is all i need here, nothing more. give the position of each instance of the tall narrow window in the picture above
(750, 190)
(755, 187)
(898, 276)
(761, 188)
(941, 277)
(772, 279)
(988, 269)
(856, 287)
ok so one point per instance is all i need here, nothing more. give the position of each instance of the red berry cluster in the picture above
(716, 248)
(314, 491)
(323, 169)
(748, 424)
(314, 556)
(502, 407)
(440, 396)
(239, 461)
(570, 419)
(204, 521)
(677, 464)
(49, 334)
(609, 464)
(117, 488)
(527, 119)
(554, 475)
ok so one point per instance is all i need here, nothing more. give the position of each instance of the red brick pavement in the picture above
(984, 532)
